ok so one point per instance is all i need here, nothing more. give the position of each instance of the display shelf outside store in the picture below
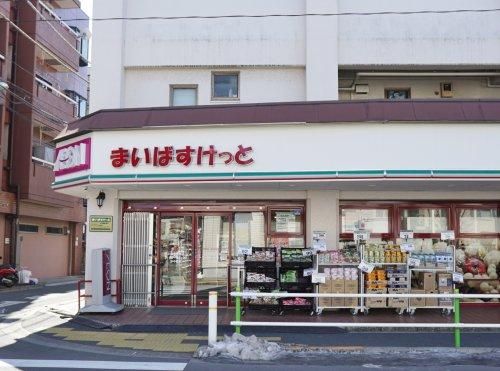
(446, 309)
(354, 309)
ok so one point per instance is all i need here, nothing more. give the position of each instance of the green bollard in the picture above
(238, 310)
(456, 309)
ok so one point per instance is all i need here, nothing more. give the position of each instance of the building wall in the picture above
(256, 85)
(32, 120)
(45, 255)
(425, 88)
(320, 46)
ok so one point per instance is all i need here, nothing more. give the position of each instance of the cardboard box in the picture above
(351, 287)
(444, 280)
(417, 302)
(428, 280)
(376, 302)
(431, 302)
(397, 302)
(325, 288)
(445, 302)
(338, 287)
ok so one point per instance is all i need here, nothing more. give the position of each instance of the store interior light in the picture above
(234, 207)
(155, 207)
(130, 207)
(260, 207)
(208, 207)
(181, 208)
(100, 198)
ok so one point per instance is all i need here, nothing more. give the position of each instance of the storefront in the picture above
(185, 191)
(195, 248)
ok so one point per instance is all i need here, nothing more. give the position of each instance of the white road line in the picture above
(33, 297)
(60, 283)
(10, 303)
(12, 364)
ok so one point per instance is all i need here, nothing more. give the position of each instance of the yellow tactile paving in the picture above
(160, 342)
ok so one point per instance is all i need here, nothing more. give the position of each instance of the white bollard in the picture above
(212, 317)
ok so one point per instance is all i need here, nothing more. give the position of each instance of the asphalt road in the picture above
(21, 349)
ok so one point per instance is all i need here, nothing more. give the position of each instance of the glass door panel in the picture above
(212, 257)
(175, 255)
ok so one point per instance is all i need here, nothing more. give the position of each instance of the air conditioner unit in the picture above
(362, 88)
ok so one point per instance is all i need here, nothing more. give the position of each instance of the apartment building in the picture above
(44, 69)
(167, 62)
(211, 133)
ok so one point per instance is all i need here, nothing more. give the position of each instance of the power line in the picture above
(296, 15)
(39, 110)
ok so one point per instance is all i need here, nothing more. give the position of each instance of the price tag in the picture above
(414, 262)
(458, 277)
(366, 267)
(307, 252)
(361, 235)
(408, 247)
(244, 250)
(309, 272)
(406, 235)
(447, 235)
(318, 278)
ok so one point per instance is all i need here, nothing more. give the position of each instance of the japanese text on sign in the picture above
(414, 262)
(361, 235)
(366, 267)
(165, 156)
(447, 235)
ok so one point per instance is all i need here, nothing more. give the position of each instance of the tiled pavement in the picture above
(199, 316)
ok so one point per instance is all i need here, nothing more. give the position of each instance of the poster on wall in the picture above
(100, 223)
(319, 240)
(285, 222)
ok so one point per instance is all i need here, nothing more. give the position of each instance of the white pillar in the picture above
(323, 215)
(322, 51)
(108, 55)
(99, 240)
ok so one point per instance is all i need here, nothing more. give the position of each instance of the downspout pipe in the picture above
(422, 74)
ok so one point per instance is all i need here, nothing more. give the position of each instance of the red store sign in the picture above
(167, 155)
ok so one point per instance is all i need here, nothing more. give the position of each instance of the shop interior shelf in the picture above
(376, 264)
(481, 279)
(339, 264)
(292, 264)
(260, 264)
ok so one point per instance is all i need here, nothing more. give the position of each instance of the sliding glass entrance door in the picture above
(175, 260)
(213, 252)
(193, 258)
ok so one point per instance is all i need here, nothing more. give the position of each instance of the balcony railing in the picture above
(54, 101)
(57, 36)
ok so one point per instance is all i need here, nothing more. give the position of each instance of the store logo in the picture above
(106, 272)
(72, 157)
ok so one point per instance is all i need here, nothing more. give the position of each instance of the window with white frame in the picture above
(183, 95)
(225, 85)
